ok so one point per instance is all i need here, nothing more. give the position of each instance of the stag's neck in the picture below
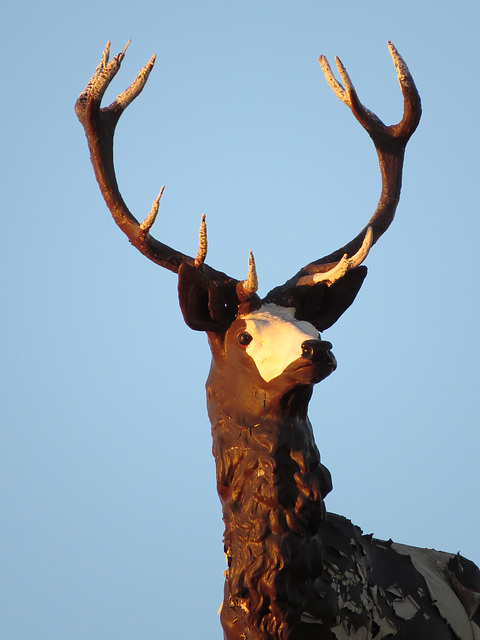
(271, 484)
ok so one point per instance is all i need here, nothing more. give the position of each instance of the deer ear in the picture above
(319, 304)
(338, 297)
(202, 301)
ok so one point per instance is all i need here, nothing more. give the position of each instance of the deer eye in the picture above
(244, 338)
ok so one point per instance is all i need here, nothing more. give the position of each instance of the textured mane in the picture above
(271, 484)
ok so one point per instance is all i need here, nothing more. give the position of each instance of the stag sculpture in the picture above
(294, 571)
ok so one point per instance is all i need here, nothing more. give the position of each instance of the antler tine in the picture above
(332, 81)
(147, 224)
(340, 269)
(247, 288)
(202, 243)
(130, 93)
(252, 279)
(412, 108)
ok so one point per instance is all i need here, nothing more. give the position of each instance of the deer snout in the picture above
(319, 352)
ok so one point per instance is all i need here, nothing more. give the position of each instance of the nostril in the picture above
(308, 349)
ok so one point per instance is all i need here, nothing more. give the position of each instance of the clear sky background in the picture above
(110, 523)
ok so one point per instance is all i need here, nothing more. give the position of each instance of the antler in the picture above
(99, 124)
(390, 143)
(215, 297)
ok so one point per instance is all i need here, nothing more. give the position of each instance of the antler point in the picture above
(252, 279)
(202, 243)
(147, 224)
(105, 56)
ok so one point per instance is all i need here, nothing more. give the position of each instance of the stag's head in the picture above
(262, 348)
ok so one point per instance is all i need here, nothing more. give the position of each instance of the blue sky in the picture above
(111, 527)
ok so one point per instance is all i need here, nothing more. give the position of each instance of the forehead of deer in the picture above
(277, 338)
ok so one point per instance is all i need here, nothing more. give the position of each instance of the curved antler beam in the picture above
(99, 124)
(390, 142)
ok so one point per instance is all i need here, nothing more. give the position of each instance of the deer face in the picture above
(277, 342)
(264, 349)
(266, 353)
(263, 356)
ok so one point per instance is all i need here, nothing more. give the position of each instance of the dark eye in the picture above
(244, 338)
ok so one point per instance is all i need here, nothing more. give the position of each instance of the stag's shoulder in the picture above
(384, 589)
(447, 575)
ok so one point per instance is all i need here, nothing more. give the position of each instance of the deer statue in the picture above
(294, 572)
